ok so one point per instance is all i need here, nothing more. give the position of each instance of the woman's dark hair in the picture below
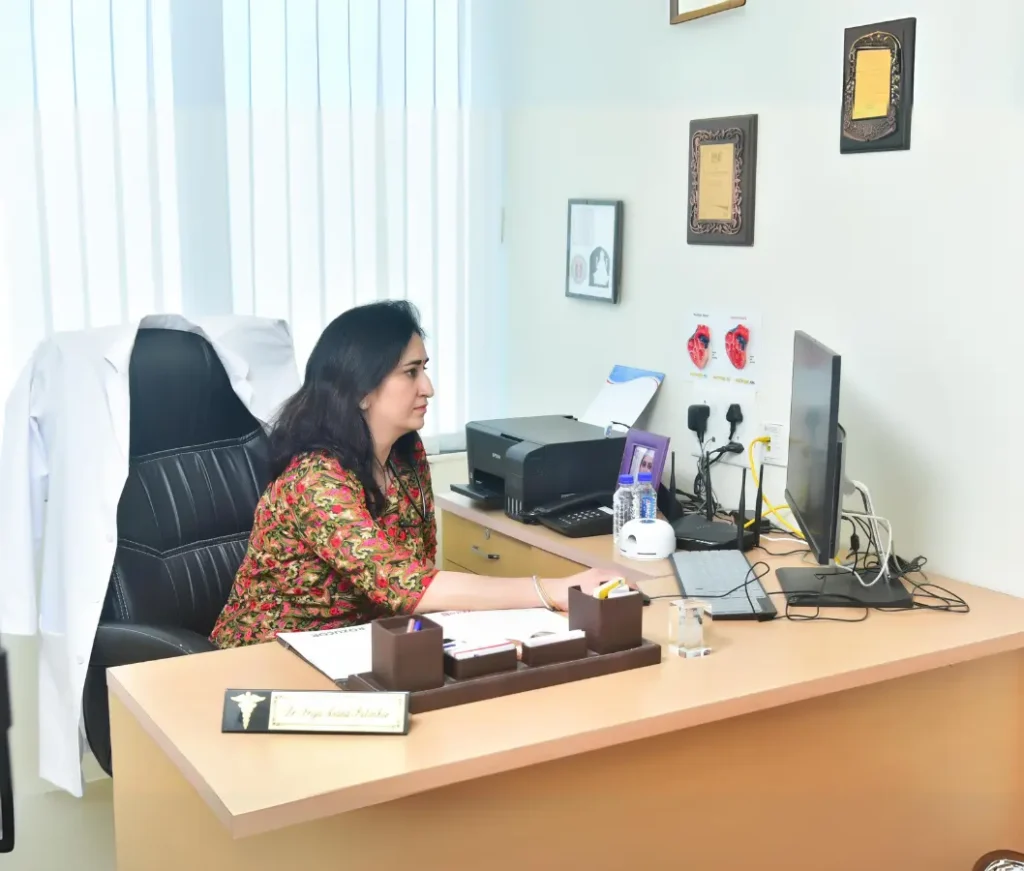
(353, 355)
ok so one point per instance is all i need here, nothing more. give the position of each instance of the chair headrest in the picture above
(180, 395)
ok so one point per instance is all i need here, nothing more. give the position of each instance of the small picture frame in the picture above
(593, 258)
(645, 452)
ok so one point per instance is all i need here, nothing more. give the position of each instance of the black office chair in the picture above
(197, 467)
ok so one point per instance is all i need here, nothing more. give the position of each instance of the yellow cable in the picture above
(772, 509)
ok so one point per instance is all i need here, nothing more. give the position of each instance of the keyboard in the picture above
(717, 576)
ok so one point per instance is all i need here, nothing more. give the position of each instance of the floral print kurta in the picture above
(317, 559)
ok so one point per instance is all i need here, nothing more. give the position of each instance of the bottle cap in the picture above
(625, 480)
(646, 477)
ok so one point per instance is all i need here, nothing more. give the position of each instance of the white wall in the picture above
(908, 264)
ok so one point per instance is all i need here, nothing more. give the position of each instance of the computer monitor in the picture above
(815, 484)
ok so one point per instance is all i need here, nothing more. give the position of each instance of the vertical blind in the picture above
(344, 167)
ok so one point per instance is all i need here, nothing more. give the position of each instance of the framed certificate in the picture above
(723, 181)
(593, 262)
(878, 86)
(687, 10)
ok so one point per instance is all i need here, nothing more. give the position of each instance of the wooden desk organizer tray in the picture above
(415, 662)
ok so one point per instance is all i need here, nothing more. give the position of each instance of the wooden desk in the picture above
(893, 743)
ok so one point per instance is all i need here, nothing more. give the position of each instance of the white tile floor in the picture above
(56, 832)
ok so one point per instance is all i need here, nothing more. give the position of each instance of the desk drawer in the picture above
(485, 552)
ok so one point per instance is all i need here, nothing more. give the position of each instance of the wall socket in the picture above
(776, 453)
(719, 400)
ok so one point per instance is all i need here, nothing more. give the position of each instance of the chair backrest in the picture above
(197, 467)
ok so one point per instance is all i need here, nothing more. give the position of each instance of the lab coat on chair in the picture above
(63, 465)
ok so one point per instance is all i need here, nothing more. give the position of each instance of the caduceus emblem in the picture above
(247, 703)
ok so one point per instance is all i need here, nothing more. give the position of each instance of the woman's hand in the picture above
(587, 581)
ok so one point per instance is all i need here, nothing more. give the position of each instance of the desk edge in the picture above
(263, 820)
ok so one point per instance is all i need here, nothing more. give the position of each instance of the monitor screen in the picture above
(812, 478)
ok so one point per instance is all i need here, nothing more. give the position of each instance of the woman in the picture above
(345, 533)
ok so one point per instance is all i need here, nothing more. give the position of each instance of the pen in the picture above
(414, 626)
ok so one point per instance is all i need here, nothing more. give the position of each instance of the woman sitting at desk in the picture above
(345, 533)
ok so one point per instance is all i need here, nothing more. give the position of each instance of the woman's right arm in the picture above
(334, 522)
(458, 591)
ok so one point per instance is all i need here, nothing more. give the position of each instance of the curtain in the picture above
(284, 158)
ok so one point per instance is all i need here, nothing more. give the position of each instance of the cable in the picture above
(883, 567)
(772, 509)
(869, 511)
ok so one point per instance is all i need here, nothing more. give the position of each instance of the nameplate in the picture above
(341, 713)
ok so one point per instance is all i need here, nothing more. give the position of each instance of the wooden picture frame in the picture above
(878, 96)
(722, 181)
(593, 250)
(681, 11)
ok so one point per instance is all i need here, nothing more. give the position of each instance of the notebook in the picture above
(339, 653)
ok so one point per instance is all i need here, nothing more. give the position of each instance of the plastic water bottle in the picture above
(646, 499)
(622, 505)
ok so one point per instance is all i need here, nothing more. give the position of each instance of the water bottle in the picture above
(646, 500)
(622, 505)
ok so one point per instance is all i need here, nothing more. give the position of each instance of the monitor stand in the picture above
(833, 587)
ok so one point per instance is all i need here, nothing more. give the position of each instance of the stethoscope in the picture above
(421, 509)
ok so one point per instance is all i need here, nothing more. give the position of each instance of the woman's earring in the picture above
(364, 405)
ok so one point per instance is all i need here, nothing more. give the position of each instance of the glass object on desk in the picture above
(686, 628)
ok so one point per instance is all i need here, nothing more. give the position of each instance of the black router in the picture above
(704, 532)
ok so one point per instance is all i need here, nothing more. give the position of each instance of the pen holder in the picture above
(478, 666)
(560, 651)
(611, 624)
(406, 661)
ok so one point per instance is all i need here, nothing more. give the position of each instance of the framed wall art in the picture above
(878, 86)
(722, 181)
(681, 11)
(593, 260)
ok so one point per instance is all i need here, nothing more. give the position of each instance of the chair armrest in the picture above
(127, 643)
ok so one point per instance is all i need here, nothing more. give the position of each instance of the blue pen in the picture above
(417, 627)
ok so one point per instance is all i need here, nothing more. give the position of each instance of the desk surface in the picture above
(258, 783)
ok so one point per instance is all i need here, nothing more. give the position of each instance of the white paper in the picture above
(623, 397)
(514, 626)
(338, 653)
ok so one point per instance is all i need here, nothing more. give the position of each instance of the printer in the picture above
(530, 463)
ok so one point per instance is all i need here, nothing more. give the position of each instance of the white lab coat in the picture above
(63, 465)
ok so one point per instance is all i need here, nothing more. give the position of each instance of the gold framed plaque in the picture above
(878, 86)
(722, 181)
(681, 11)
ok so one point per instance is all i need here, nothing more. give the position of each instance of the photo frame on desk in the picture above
(681, 11)
(593, 252)
(644, 452)
(722, 181)
(878, 87)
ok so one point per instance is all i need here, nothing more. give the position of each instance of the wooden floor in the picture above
(924, 773)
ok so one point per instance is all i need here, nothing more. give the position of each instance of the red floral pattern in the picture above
(317, 559)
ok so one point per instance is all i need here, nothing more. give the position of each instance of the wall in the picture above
(906, 263)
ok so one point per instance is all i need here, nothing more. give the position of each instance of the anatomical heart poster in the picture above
(722, 348)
